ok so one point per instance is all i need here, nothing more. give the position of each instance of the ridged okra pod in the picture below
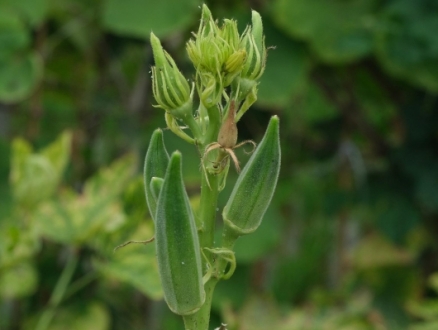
(155, 165)
(156, 185)
(255, 186)
(177, 244)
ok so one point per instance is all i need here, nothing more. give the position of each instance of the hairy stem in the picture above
(207, 211)
(214, 124)
(193, 126)
(207, 218)
(201, 319)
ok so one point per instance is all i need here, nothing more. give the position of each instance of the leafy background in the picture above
(350, 239)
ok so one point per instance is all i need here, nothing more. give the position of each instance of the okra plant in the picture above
(228, 68)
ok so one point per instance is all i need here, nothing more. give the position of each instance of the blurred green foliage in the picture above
(350, 239)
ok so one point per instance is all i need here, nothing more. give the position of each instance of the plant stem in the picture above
(207, 219)
(214, 124)
(207, 211)
(59, 291)
(193, 126)
(229, 237)
(207, 216)
(201, 319)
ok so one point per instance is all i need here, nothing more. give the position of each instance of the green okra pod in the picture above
(177, 244)
(155, 165)
(256, 184)
(156, 185)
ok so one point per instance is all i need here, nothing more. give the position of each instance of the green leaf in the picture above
(76, 218)
(427, 310)
(111, 181)
(34, 182)
(21, 151)
(338, 31)
(258, 314)
(287, 69)
(33, 10)
(135, 265)
(16, 246)
(261, 312)
(364, 255)
(35, 176)
(407, 43)
(20, 70)
(433, 281)
(84, 316)
(431, 325)
(13, 34)
(18, 281)
(19, 75)
(137, 18)
(58, 153)
(309, 108)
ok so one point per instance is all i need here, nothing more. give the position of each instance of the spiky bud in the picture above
(170, 88)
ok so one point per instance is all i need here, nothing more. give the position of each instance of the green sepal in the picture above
(177, 244)
(256, 184)
(155, 165)
(156, 185)
(228, 257)
(170, 88)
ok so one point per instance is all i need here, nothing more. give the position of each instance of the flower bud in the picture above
(254, 43)
(216, 53)
(235, 61)
(177, 244)
(229, 37)
(234, 65)
(155, 165)
(206, 53)
(206, 50)
(207, 23)
(210, 91)
(171, 90)
(255, 186)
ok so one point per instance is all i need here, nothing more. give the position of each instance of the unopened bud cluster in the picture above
(221, 57)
